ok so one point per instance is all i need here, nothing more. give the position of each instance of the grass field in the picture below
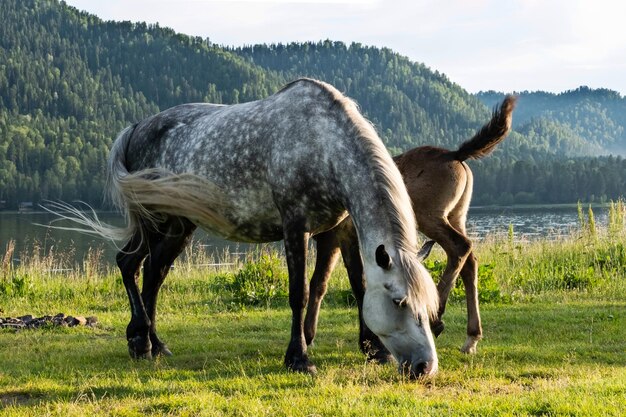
(554, 317)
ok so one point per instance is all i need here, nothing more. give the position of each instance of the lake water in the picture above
(528, 223)
(539, 222)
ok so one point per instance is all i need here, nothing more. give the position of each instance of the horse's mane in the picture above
(395, 199)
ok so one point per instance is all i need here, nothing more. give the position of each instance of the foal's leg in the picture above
(296, 242)
(129, 261)
(327, 255)
(165, 246)
(457, 248)
(369, 343)
(469, 273)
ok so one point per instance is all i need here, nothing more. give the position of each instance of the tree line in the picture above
(69, 82)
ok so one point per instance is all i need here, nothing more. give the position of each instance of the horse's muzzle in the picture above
(416, 370)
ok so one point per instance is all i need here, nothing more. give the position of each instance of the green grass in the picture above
(555, 344)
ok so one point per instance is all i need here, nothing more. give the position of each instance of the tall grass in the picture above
(538, 357)
(590, 260)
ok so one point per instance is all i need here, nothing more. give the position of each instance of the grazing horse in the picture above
(289, 166)
(440, 184)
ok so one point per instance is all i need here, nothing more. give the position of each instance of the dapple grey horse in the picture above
(290, 166)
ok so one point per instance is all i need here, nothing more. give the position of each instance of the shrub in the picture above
(610, 259)
(488, 286)
(17, 285)
(343, 297)
(569, 278)
(260, 282)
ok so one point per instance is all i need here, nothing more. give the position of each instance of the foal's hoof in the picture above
(437, 327)
(470, 345)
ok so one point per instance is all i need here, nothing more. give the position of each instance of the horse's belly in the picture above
(252, 215)
(259, 220)
(256, 224)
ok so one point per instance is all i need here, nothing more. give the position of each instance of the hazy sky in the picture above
(504, 45)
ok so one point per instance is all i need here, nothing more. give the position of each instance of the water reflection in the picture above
(29, 232)
(528, 223)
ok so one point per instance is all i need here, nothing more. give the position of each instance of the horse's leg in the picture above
(469, 274)
(129, 261)
(165, 246)
(457, 248)
(369, 343)
(327, 255)
(296, 242)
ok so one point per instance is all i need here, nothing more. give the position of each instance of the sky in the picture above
(502, 45)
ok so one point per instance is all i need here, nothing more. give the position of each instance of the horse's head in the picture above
(399, 298)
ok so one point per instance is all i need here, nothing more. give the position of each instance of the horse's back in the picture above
(265, 155)
(196, 136)
(152, 135)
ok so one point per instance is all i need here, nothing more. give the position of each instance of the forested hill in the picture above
(413, 105)
(409, 104)
(70, 81)
(576, 122)
(546, 159)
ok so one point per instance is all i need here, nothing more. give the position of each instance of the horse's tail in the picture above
(490, 135)
(148, 197)
(88, 222)
(117, 166)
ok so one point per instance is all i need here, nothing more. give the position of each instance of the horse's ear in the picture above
(382, 257)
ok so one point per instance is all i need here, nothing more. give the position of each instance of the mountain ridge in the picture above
(70, 81)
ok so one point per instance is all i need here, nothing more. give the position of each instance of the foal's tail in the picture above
(490, 135)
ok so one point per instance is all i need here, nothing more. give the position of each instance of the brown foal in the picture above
(440, 185)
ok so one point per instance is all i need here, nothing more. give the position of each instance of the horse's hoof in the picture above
(302, 366)
(437, 327)
(161, 350)
(138, 349)
(139, 355)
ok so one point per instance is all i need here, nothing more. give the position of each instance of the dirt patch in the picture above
(59, 320)
(15, 398)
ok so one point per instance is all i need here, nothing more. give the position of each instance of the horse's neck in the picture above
(370, 214)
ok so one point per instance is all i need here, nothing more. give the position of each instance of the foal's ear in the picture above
(424, 251)
(382, 257)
